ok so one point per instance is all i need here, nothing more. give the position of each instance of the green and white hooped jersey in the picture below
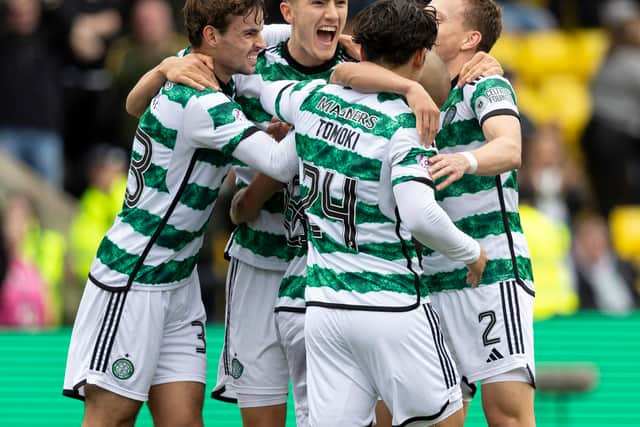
(485, 207)
(180, 155)
(353, 149)
(264, 242)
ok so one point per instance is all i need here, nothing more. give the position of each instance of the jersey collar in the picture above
(226, 88)
(454, 82)
(325, 66)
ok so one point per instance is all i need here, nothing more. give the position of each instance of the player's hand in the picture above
(474, 275)
(352, 48)
(238, 212)
(426, 111)
(278, 129)
(451, 166)
(194, 70)
(482, 64)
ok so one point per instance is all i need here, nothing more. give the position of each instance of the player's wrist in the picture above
(473, 162)
(475, 253)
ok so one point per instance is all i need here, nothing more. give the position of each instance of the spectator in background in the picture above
(152, 38)
(31, 116)
(92, 24)
(611, 141)
(605, 282)
(552, 182)
(23, 293)
(41, 247)
(98, 206)
(522, 16)
(550, 248)
(576, 13)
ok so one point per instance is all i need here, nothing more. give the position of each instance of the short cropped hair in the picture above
(484, 16)
(390, 31)
(217, 13)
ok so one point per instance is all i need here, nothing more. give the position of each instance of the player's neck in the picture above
(455, 65)
(221, 72)
(301, 56)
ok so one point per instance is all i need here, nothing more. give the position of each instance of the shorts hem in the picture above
(218, 394)
(262, 391)
(140, 397)
(275, 400)
(181, 379)
(72, 394)
(472, 378)
(445, 412)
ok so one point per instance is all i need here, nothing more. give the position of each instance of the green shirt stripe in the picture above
(150, 124)
(252, 108)
(342, 161)
(361, 281)
(155, 176)
(121, 261)
(262, 243)
(497, 270)
(170, 237)
(292, 287)
(390, 251)
(463, 130)
(474, 184)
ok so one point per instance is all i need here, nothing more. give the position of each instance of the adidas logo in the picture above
(494, 355)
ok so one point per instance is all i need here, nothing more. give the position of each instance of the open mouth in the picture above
(327, 34)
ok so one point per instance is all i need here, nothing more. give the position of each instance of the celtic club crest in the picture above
(122, 369)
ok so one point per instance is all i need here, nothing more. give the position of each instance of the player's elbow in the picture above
(132, 108)
(416, 224)
(516, 160)
(512, 152)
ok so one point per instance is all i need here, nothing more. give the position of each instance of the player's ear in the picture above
(210, 36)
(472, 40)
(287, 12)
(419, 58)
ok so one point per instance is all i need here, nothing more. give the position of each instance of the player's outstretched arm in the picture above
(369, 77)
(428, 223)
(247, 202)
(260, 151)
(194, 70)
(501, 153)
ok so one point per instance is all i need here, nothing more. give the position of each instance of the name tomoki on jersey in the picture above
(360, 256)
(485, 207)
(181, 153)
(264, 242)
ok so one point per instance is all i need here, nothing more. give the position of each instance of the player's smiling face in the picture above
(316, 26)
(240, 45)
(451, 31)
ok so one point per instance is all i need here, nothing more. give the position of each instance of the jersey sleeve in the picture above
(284, 99)
(278, 160)
(216, 122)
(491, 96)
(276, 33)
(409, 160)
(414, 194)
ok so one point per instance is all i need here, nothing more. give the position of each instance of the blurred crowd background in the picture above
(66, 67)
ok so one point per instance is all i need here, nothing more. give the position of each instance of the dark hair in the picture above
(390, 31)
(217, 13)
(484, 16)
